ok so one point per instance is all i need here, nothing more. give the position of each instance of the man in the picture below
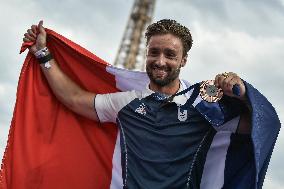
(164, 144)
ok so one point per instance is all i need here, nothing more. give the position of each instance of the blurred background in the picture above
(243, 36)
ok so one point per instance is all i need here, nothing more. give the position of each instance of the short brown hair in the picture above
(167, 26)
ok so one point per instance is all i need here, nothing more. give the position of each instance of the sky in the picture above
(243, 36)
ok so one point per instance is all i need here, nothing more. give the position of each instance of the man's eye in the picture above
(171, 55)
(153, 53)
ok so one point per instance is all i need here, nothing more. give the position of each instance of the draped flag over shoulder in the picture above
(50, 147)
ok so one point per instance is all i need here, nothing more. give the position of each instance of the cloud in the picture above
(270, 183)
(259, 18)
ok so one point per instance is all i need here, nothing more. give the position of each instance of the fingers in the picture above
(34, 28)
(40, 27)
(31, 34)
(29, 37)
(229, 81)
(26, 40)
(218, 80)
(226, 81)
(40, 24)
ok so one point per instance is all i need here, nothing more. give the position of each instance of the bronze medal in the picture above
(209, 92)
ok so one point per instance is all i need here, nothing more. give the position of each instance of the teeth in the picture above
(159, 69)
(156, 68)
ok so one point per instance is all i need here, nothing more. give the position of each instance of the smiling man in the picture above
(167, 130)
(164, 59)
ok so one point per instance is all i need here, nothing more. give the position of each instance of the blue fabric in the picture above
(265, 129)
(158, 149)
(218, 113)
(240, 164)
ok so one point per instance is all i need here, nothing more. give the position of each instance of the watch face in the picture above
(209, 92)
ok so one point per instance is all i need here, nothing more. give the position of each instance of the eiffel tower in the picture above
(131, 52)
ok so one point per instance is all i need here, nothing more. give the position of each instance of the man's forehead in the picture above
(166, 40)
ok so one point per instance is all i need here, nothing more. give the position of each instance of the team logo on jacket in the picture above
(182, 114)
(141, 109)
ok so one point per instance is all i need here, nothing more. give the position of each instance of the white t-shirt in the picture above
(108, 105)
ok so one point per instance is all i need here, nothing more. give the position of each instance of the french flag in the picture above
(50, 147)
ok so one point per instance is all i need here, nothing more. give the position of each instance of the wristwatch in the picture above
(44, 56)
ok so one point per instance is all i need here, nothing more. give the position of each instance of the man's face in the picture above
(164, 59)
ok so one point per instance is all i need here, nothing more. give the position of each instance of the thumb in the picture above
(40, 27)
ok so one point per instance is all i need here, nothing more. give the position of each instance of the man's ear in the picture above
(184, 60)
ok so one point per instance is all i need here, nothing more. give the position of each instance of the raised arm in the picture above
(66, 90)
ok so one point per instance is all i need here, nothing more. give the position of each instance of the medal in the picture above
(209, 92)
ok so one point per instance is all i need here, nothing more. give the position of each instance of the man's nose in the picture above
(161, 59)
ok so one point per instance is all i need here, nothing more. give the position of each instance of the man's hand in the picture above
(36, 33)
(226, 81)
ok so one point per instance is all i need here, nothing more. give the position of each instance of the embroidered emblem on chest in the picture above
(182, 114)
(141, 109)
